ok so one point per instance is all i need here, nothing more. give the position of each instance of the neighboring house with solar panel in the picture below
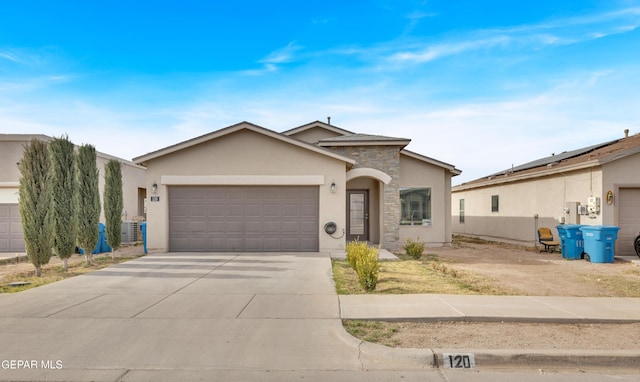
(595, 185)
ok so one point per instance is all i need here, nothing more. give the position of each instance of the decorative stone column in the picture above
(385, 158)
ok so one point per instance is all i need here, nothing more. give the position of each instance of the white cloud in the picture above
(564, 31)
(282, 55)
(9, 56)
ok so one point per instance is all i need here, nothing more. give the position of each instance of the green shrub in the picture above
(414, 248)
(367, 267)
(355, 249)
(364, 260)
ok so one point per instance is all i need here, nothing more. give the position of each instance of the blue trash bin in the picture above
(571, 241)
(104, 245)
(143, 228)
(600, 242)
(101, 243)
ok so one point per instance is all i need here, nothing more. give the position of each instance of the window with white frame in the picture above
(415, 206)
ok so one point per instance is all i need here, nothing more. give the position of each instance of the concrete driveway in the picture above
(184, 316)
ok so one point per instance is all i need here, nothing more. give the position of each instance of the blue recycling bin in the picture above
(102, 241)
(571, 241)
(101, 245)
(600, 242)
(143, 228)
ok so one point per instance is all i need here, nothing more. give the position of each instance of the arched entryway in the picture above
(365, 187)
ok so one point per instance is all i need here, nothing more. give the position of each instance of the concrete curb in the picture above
(374, 356)
(548, 358)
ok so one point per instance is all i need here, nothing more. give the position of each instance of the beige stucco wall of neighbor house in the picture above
(416, 173)
(246, 155)
(11, 152)
(520, 202)
(133, 179)
(621, 174)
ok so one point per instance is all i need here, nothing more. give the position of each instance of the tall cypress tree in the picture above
(113, 203)
(65, 197)
(36, 203)
(88, 200)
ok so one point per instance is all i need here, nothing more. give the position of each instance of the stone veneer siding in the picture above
(387, 160)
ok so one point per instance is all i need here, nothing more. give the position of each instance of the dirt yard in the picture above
(526, 271)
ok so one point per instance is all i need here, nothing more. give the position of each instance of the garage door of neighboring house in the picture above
(243, 218)
(11, 239)
(628, 219)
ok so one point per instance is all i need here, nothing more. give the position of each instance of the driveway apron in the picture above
(179, 311)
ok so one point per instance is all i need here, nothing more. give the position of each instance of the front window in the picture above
(495, 203)
(461, 210)
(415, 206)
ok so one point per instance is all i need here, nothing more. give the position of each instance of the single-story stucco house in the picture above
(11, 153)
(312, 188)
(595, 185)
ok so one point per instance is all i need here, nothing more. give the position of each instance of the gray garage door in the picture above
(10, 229)
(247, 219)
(629, 219)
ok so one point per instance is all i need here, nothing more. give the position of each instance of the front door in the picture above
(358, 215)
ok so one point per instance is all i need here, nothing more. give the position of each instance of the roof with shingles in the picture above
(357, 138)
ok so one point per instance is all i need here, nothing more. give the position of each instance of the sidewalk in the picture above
(433, 307)
(530, 309)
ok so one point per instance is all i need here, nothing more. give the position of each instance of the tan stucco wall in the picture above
(133, 178)
(520, 201)
(623, 173)
(11, 152)
(255, 156)
(415, 173)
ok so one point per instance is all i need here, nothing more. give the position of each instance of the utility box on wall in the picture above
(572, 215)
(593, 205)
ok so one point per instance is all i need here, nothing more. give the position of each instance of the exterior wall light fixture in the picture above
(333, 187)
(154, 187)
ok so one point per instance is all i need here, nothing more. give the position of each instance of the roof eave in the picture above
(510, 178)
(401, 143)
(144, 159)
(452, 169)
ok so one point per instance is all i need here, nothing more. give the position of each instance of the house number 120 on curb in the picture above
(459, 360)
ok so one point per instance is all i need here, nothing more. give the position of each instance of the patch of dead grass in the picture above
(409, 276)
(52, 273)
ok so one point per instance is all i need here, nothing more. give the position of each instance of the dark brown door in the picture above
(358, 215)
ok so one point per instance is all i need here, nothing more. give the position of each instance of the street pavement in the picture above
(268, 317)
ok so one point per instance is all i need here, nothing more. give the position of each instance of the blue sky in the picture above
(482, 85)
